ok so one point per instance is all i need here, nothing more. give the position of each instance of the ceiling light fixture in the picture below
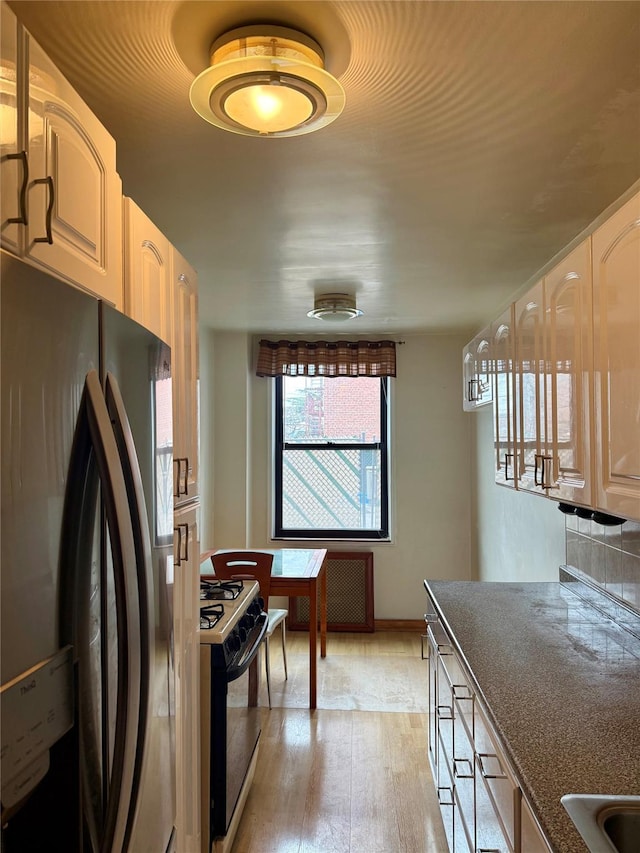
(334, 307)
(267, 81)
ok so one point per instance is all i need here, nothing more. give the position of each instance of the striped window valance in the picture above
(326, 358)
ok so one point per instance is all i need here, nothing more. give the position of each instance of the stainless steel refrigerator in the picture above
(87, 757)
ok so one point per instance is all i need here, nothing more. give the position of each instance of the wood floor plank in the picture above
(344, 779)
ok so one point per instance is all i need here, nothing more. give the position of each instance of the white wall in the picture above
(431, 465)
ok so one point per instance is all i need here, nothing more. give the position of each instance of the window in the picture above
(331, 457)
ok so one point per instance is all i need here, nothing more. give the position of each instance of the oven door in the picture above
(234, 733)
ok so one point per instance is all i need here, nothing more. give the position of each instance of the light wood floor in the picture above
(352, 776)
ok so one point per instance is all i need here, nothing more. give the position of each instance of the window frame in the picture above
(380, 534)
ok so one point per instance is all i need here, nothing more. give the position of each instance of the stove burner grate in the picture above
(210, 615)
(212, 590)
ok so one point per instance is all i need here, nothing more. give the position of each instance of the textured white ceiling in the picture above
(478, 139)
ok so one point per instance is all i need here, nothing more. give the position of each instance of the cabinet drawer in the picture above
(492, 771)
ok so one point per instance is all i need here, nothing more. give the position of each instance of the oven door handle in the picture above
(259, 630)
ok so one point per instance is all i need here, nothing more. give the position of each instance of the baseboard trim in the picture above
(399, 625)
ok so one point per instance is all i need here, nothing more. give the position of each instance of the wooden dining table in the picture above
(301, 572)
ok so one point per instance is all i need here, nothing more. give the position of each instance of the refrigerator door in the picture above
(136, 371)
(50, 342)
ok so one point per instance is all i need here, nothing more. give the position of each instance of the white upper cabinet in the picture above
(503, 375)
(161, 293)
(148, 292)
(568, 371)
(62, 191)
(616, 305)
(477, 387)
(186, 381)
(553, 380)
(529, 388)
(14, 172)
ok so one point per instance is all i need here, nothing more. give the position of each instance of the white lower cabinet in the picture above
(481, 803)
(186, 586)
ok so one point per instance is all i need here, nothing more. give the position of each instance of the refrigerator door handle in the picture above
(144, 572)
(94, 446)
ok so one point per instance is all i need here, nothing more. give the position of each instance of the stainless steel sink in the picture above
(608, 824)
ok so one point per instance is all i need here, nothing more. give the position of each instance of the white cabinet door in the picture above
(476, 372)
(73, 208)
(14, 170)
(616, 306)
(185, 373)
(148, 295)
(502, 368)
(187, 667)
(529, 384)
(568, 324)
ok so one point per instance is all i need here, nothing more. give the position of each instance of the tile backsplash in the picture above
(607, 556)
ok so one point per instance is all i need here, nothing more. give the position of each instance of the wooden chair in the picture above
(255, 565)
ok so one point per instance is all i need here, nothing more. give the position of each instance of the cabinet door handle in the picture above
(461, 691)
(184, 556)
(444, 712)
(52, 197)
(507, 457)
(460, 774)
(443, 799)
(485, 773)
(471, 395)
(23, 218)
(178, 543)
(547, 467)
(535, 470)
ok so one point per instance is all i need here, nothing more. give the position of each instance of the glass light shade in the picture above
(268, 108)
(267, 81)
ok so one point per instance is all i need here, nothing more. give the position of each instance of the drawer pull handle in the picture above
(444, 712)
(465, 691)
(460, 773)
(485, 773)
(441, 797)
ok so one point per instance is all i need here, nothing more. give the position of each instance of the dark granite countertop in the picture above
(561, 684)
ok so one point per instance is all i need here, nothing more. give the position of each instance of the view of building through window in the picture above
(332, 464)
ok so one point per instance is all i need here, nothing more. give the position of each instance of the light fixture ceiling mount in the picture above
(267, 81)
(334, 307)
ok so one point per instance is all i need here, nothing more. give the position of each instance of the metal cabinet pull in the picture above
(535, 470)
(183, 539)
(461, 691)
(23, 218)
(52, 197)
(444, 712)
(485, 773)
(547, 466)
(177, 544)
(471, 396)
(507, 456)
(441, 797)
(180, 462)
(460, 774)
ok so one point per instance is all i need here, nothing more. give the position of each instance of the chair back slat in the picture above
(245, 565)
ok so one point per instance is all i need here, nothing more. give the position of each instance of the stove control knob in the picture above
(247, 622)
(234, 642)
